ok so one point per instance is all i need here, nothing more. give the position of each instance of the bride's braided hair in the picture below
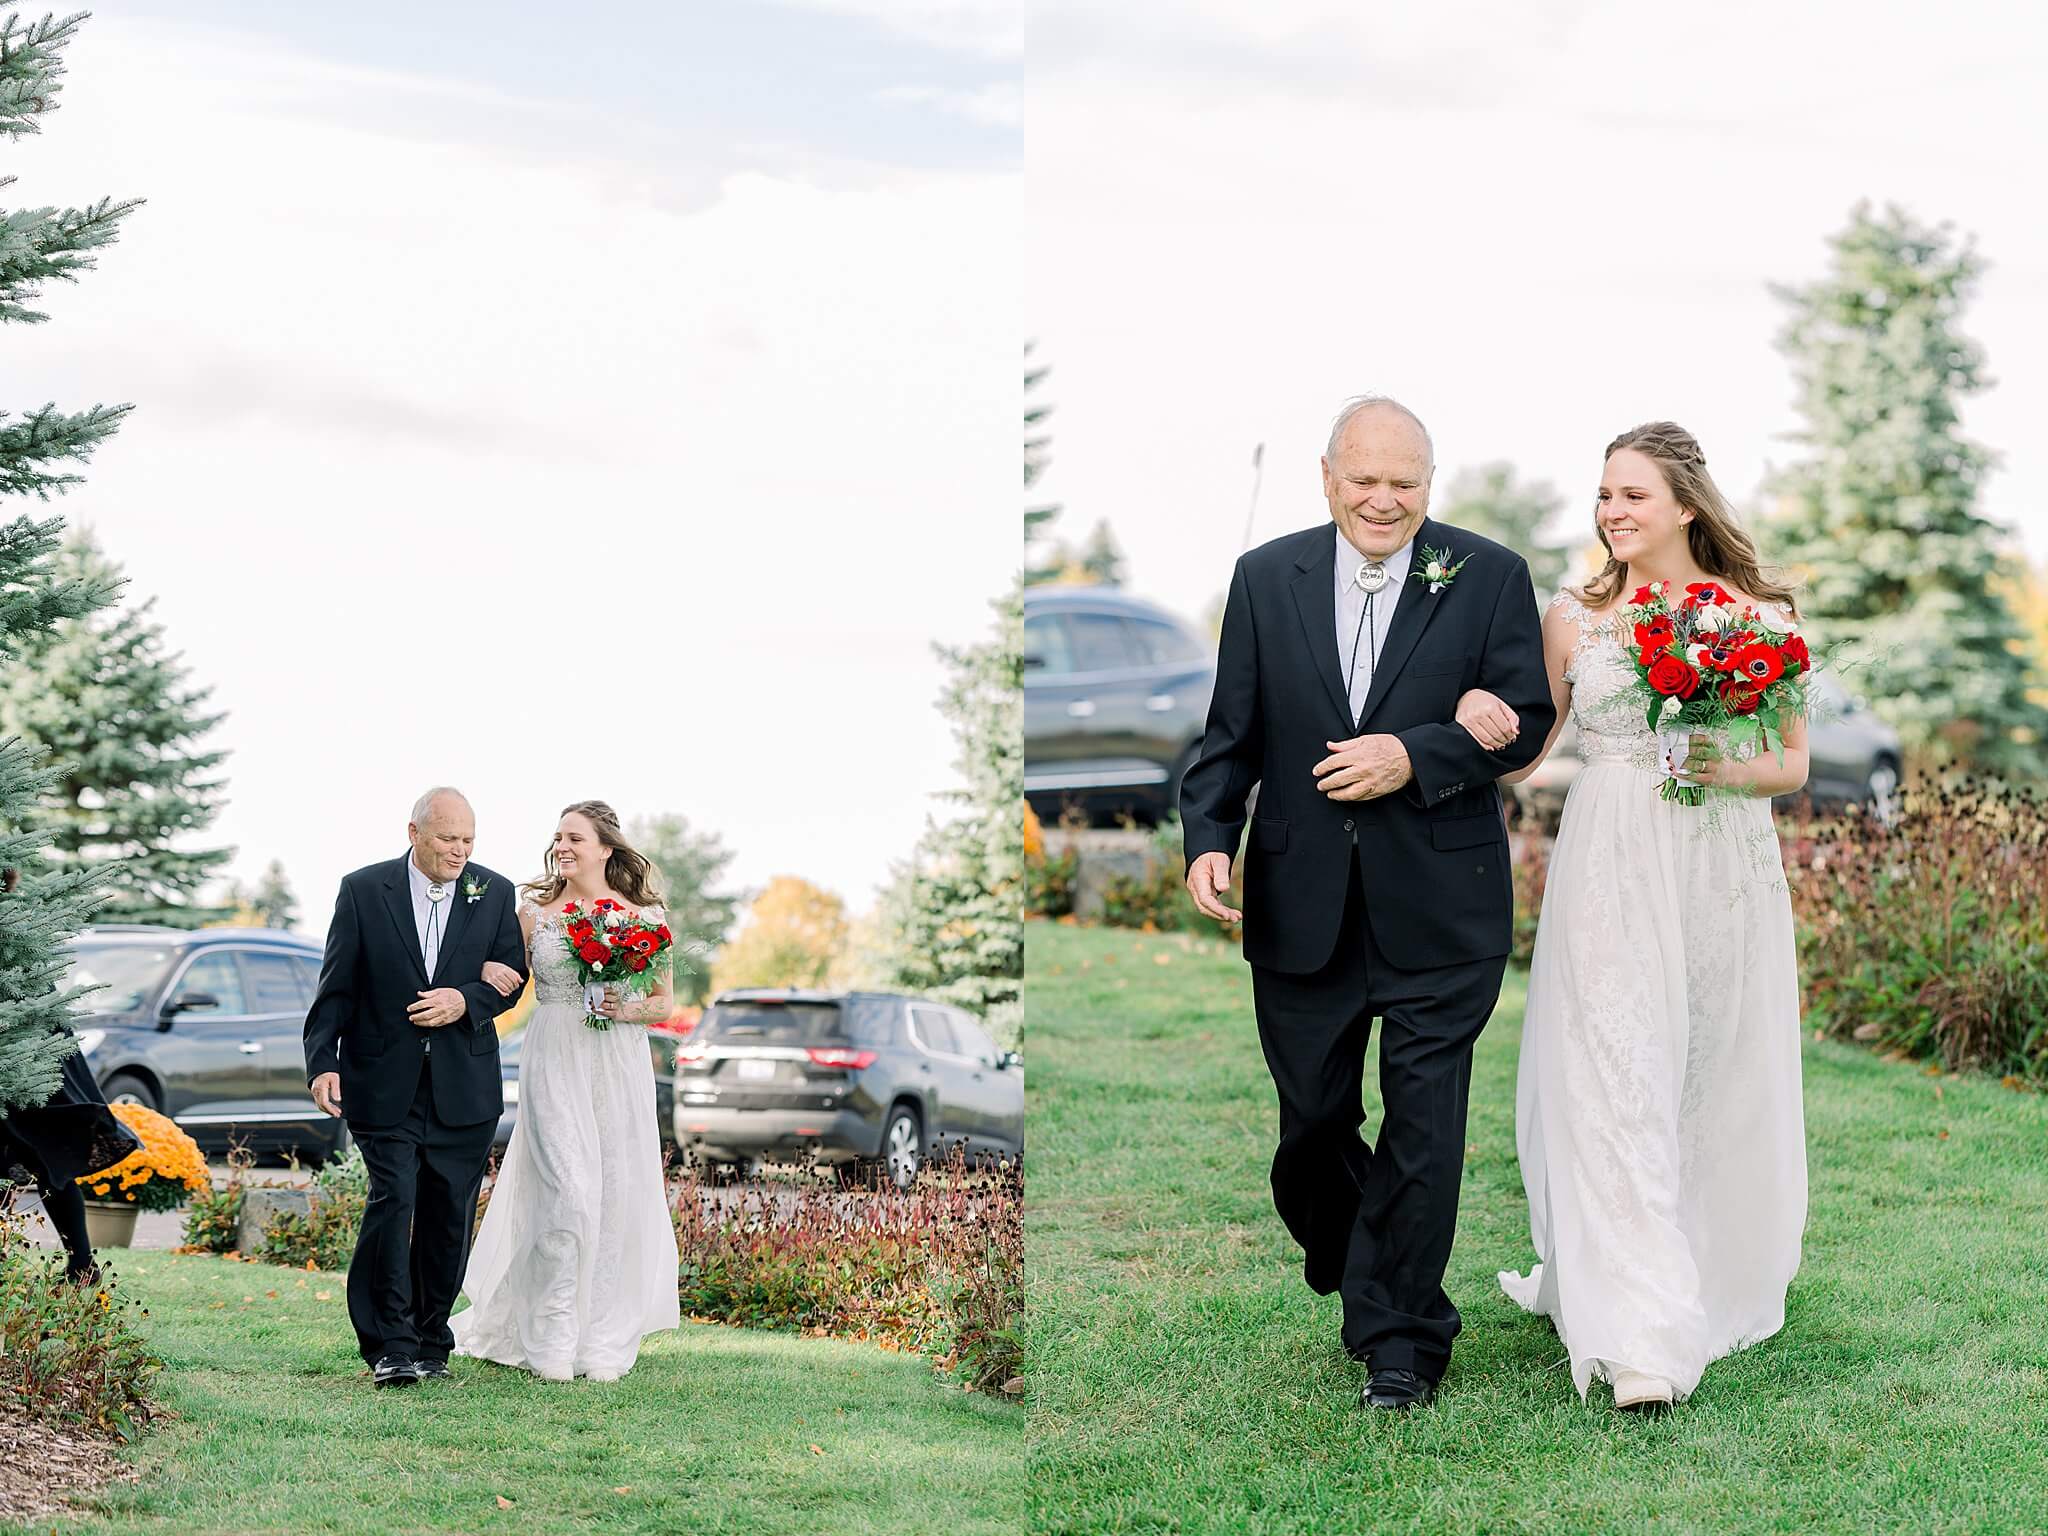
(1718, 544)
(626, 869)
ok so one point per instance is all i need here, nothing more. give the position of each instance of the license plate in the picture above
(755, 1067)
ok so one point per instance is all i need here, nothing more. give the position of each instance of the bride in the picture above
(576, 1260)
(1657, 1110)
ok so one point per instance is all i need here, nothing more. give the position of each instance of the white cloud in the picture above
(994, 28)
(454, 461)
(1000, 105)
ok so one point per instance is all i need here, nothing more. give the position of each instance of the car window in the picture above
(273, 981)
(215, 972)
(309, 973)
(1045, 645)
(875, 1021)
(935, 1030)
(974, 1041)
(1099, 642)
(128, 975)
(746, 1022)
(1160, 644)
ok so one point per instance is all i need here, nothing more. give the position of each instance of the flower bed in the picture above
(1928, 935)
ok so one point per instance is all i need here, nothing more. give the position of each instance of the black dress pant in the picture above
(424, 1176)
(1376, 1222)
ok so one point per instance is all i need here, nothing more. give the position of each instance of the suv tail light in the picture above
(839, 1056)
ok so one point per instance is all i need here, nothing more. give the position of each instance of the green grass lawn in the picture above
(1184, 1379)
(711, 1432)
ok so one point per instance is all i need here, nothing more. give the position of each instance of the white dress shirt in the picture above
(1369, 640)
(422, 905)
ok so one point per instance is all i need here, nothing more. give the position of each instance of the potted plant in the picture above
(159, 1177)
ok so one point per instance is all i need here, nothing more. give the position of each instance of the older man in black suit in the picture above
(1376, 876)
(402, 1039)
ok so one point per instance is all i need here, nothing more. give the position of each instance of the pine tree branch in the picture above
(48, 436)
(32, 68)
(40, 245)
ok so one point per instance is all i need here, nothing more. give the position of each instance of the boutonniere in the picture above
(473, 891)
(1438, 569)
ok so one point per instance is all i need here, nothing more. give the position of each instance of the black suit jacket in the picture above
(373, 972)
(1433, 857)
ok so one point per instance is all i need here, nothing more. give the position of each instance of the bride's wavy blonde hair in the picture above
(1715, 536)
(626, 869)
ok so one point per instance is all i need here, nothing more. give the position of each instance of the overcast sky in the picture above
(609, 401)
(1538, 224)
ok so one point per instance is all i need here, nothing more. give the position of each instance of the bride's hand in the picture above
(616, 1005)
(1487, 720)
(1705, 764)
(503, 977)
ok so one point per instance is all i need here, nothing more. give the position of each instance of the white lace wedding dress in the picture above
(576, 1259)
(1658, 1111)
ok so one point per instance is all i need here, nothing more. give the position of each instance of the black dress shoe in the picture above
(1396, 1391)
(432, 1370)
(391, 1371)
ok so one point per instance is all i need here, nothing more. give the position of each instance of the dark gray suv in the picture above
(1116, 696)
(866, 1083)
(207, 1027)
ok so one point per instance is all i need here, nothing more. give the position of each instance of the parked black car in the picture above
(1116, 695)
(866, 1083)
(206, 1027)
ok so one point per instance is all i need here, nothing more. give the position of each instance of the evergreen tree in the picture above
(39, 908)
(273, 901)
(692, 865)
(1100, 560)
(114, 709)
(1037, 518)
(1881, 520)
(1490, 499)
(955, 912)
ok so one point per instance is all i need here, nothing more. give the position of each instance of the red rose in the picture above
(1795, 655)
(638, 962)
(591, 952)
(1761, 665)
(1674, 678)
(1739, 697)
(664, 935)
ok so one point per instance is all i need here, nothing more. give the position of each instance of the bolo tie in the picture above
(1370, 578)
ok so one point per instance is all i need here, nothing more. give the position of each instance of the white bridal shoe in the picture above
(1632, 1389)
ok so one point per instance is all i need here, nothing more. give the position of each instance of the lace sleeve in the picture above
(1569, 608)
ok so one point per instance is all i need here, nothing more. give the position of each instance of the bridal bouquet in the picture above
(1705, 665)
(612, 948)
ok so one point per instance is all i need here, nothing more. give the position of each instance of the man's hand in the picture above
(438, 1009)
(1487, 720)
(1207, 876)
(503, 977)
(327, 1093)
(1363, 768)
